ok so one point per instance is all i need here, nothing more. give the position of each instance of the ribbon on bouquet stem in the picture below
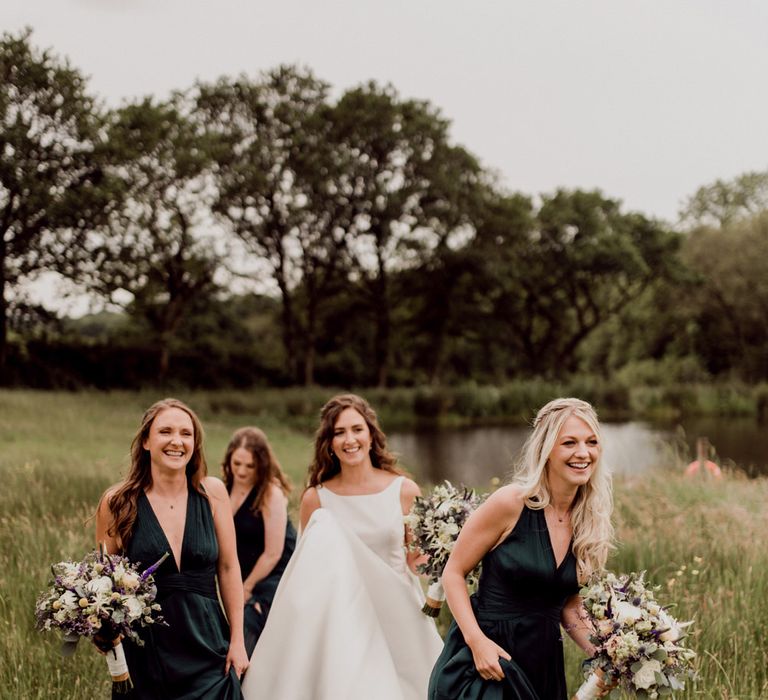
(435, 598)
(112, 648)
(590, 689)
(118, 669)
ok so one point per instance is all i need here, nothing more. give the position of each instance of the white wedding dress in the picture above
(346, 620)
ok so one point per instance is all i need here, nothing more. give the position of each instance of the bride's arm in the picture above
(310, 502)
(408, 492)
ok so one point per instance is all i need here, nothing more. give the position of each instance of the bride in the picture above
(346, 622)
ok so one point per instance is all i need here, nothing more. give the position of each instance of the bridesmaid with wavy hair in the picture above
(168, 504)
(258, 492)
(539, 538)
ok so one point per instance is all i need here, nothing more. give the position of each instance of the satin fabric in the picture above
(518, 604)
(184, 659)
(345, 624)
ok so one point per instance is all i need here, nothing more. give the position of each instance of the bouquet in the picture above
(639, 644)
(435, 521)
(103, 597)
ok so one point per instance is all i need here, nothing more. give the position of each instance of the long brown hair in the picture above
(325, 464)
(123, 501)
(267, 467)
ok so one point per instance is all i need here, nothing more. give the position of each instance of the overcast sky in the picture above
(646, 100)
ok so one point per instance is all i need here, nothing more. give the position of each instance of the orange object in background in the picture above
(701, 463)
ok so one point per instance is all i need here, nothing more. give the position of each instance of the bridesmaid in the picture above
(168, 504)
(266, 538)
(539, 538)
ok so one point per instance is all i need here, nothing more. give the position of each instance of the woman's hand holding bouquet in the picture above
(104, 597)
(434, 522)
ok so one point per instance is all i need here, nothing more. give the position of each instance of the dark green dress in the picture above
(185, 660)
(249, 528)
(520, 597)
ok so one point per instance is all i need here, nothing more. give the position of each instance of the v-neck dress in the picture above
(518, 603)
(185, 659)
(249, 529)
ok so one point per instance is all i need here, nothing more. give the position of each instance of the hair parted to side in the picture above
(325, 464)
(265, 463)
(593, 505)
(123, 501)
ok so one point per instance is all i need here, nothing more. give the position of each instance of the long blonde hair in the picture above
(592, 507)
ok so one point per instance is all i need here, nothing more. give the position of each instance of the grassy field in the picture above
(702, 541)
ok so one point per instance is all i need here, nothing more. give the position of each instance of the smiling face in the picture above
(575, 454)
(243, 467)
(351, 441)
(171, 439)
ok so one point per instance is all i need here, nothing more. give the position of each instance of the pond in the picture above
(474, 456)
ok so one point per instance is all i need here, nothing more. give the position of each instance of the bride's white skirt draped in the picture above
(344, 625)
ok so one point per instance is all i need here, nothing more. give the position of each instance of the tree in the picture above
(277, 191)
(52, 179)
(402, 179)
(580, 263)
(726, 201)
(731, 298)
(158, 250)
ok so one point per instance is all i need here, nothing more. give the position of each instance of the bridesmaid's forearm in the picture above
(232, 599)
(458, 601)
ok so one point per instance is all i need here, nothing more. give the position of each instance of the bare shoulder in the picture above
(215, 488)
(104, 507)
(409, 489)
(310, 502)
(274, 495)
(502, 508)
(508, 500)
(310, 498)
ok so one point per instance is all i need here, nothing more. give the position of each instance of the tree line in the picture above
(255, 230)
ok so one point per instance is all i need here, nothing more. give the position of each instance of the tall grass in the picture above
(58, 452)
(702, 541)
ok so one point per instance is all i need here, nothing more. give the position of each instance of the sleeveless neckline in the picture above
(156, 523)
(396, 480)
(247, 500)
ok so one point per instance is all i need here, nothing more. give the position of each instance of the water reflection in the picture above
(474, 456)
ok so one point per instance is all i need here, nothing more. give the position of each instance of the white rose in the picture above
(646, 676)
(130, 581)
(135, 608)
(626, 612)
(102, 584)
